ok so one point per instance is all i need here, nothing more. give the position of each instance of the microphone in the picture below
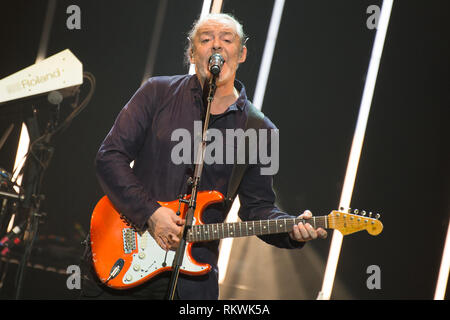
(215, 63)
(55, 97)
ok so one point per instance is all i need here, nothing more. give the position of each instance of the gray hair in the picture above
(213, 16)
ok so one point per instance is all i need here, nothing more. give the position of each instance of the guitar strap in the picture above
(255, 120)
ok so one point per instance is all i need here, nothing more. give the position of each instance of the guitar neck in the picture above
(216, 231)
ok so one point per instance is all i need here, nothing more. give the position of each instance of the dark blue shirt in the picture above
(142, 133)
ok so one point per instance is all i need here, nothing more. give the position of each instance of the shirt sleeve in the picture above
(257, 199)
(119, 149)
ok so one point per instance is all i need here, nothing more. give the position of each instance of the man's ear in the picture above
(191, 56)
(243, 55)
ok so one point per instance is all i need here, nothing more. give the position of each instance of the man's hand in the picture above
(305, 232)
(166, 227)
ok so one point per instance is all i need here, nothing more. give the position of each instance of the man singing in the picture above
(142, 133)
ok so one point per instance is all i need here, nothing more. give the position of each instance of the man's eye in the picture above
(204, 40)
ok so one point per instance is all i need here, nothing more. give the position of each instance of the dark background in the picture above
(313, 96)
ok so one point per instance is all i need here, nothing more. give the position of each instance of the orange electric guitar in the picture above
(124, 258)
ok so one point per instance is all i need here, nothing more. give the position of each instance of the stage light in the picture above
(154, 42)
(269, 48)
(266, 62)
(355, 153)
(22, 150)
(48, 22)
(227, 244)
(24, 139)
(216, 6)
(205, 10)
(441, 285)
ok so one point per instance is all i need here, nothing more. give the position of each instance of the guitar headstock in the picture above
(348, 223)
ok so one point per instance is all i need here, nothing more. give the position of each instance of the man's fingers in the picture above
(311, 231)
(162, 243)
(173, 239)
(301, 232)
(322, 233)
(168, 243)
(306, 215)
(178, 220)
(295, 234)
(304, 233)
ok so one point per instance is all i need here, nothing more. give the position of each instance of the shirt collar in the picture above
(241, 101)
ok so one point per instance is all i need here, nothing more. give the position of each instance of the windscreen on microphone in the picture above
(55, 97)
(215, 63)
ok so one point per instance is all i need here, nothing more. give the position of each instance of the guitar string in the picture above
(359, 222)
(202, 232)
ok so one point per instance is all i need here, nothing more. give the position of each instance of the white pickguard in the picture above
(151, 257)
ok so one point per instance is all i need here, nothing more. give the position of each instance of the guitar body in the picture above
(113, 239)
(124, 258)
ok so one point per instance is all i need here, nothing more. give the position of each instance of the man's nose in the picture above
(217, 45)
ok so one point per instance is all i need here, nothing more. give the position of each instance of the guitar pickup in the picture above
(129, 240)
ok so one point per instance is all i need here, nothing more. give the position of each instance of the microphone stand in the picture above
(195, 181)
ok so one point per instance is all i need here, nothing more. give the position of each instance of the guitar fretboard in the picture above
(216, 231)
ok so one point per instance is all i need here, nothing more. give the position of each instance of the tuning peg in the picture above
(377, 216)
(349, 210)
(370, 214)
(363, 213)
(356, 211)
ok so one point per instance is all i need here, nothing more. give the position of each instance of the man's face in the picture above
(215, 36)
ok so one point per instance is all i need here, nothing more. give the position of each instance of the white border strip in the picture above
(277, 12)
(357, 144)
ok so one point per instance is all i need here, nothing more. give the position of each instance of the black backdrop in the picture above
(313, 96)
